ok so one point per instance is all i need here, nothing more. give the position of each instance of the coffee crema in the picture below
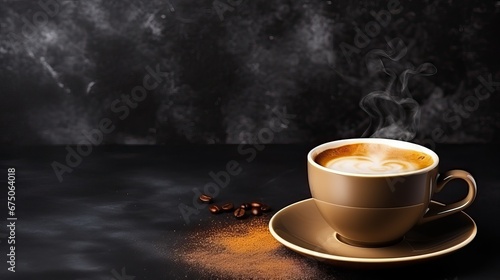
(370, 158)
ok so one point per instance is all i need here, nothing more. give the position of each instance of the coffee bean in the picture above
(205, 198)
(245, 206)
(214, 209)
(256, 211)
(256, 204)
(239, 213)
(265, 208)
(227, 207)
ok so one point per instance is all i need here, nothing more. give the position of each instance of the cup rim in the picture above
(391, 142)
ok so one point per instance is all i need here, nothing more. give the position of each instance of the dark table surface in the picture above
(116, 215)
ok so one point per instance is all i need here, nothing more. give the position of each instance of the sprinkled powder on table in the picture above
(245, 250)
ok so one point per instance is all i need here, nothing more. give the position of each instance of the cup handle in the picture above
(439, 211)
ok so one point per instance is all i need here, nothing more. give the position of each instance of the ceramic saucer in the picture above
(301, 228)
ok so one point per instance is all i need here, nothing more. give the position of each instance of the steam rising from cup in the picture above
(393, 112)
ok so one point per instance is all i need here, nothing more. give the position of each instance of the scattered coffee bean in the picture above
(256, 204)
(245, 206)
(227, 207)
(265, 208)
(256, 208)
(214, 209)
(239, 213)
(256, 211)
(205, 198)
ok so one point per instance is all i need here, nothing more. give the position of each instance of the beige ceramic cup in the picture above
(373, 210)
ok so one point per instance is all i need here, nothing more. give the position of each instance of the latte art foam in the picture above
(366, 165)
(373, 158)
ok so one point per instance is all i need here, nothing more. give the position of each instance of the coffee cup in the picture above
(372, 191)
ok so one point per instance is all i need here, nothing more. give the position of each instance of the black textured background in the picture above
(229, 64)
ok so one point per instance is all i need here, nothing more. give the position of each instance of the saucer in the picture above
(301, 228)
